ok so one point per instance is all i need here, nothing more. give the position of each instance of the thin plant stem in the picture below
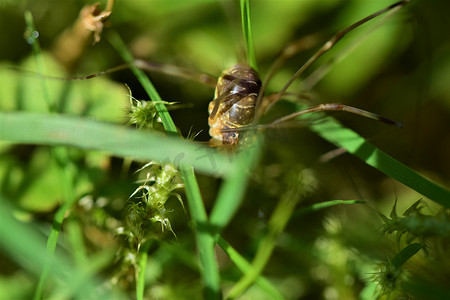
(248, 35)
(276, 225)
(140, 272)
(62, 157)
(244, 266)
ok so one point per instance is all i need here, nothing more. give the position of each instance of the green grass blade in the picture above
(318, 206)
(205, 240)
(140, 272)
(278, 221)
(244, 266)
(406, 253)
(67, 178)
(140, 282)
(335, 133)
(233, 188)
(29, 128)
(32, 39)
(166, 120)
(60, 154)
(247, 32)
(53, 237)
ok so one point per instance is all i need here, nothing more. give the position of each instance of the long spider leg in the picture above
(228, 100)
(304, 43)
(217, 101)
(310, 81)
(143, 65)
(332, 107)
(227, 97)
(336, 38)
(101, 73)
(176, 71)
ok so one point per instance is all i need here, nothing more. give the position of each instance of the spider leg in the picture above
(325, 48)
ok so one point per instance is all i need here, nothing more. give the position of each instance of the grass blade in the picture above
(406, 253)
(233, 188)
(318, 206)
(140, 272)
(205, 240)
(247, 32)
(331, 130)
(60, 154)
(29, 128)
(278, 221)
(169, 125)
(67, 178)
(245, 266)
(33, 41)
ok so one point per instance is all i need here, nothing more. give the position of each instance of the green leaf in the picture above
(331, 130)
(406, 253)
(28, 128)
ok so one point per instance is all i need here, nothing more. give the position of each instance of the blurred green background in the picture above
(400, 71)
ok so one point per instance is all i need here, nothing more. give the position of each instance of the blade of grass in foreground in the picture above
(41, 129)
(331, 130)
(232, 189)
(205, 239)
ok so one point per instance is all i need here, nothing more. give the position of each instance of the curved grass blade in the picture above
(205, 237)
(41, 129)
(331, 130)
(321, 205)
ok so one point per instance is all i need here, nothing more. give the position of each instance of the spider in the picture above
(239, 100)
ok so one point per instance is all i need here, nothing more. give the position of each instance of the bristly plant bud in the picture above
(160, 183)
(143, 114)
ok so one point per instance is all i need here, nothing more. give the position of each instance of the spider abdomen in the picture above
(234, 103)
